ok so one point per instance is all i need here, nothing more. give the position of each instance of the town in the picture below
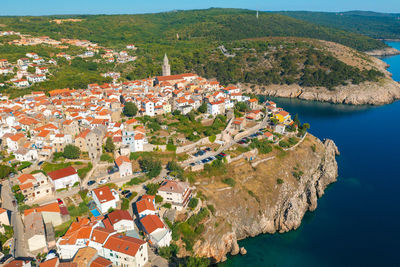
(96, 176)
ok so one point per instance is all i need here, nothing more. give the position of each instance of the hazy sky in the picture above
(48, 7)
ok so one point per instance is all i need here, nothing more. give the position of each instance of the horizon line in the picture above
(194, 9)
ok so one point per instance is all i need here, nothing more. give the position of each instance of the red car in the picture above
(60, 202)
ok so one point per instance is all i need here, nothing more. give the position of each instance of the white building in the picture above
(125, 251)
(175, 192)
(148, 107)
(64, 178)
(120, 220)
(156, 231)
(216, 108)
(124, 166)
(105, 198)
(144, 207)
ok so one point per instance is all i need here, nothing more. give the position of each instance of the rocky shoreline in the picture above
(368, 93)
(389, 51)
(281, 213)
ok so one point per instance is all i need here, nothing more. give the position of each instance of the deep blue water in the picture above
(357, 222)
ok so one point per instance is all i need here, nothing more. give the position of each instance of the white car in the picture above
(103, 181)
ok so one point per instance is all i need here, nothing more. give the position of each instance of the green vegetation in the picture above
(168, 252)
(136, 181)
(229, 181)
(373, 24)
(158, 198)
(297, 173)
(263, 146)
(175, 170)
(8, 233)
(151, 189)
(71, 152)
(107, 157)
(24, 165)
(190, 230)
(5, 170)
(125, 204)
(61, 229)
(151, 166)
(109, 146)
(216, 168)
(130, 109)
(75, 211)
(193, 203)
(167, 205)
(82, 172)
(49, 167)
(279, 181)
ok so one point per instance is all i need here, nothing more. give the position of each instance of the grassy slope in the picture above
(375, 25)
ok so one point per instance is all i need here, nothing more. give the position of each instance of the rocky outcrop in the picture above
(279, 208)
(367, 93)
(388, 51)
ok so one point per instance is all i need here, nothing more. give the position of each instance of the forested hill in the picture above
(209, 25)
(375, 25)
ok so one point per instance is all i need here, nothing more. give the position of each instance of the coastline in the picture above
(269, 210)
(389, 51)
(368, 93)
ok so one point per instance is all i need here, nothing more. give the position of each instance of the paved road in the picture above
(18, 246)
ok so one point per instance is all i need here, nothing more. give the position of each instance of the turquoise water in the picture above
(357, 220)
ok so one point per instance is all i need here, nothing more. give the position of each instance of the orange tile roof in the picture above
(121, 159)
(100, 234)
(101, 262)
(151, 223)
(143, 205)
(119, 215)
(61, 173)
(52, 207)
(103, 194)
(124, 244)
(50, 263)
(25, 177)
(25, 186)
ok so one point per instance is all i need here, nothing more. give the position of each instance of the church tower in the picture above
(166, 68)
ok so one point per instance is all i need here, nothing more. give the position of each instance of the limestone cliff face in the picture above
(279, 208)
(367, 93)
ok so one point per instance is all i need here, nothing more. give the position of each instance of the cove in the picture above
(357, 220)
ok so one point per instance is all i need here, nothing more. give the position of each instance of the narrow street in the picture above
(18, 248)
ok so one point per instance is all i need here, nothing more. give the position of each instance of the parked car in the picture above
(208, 149)
(91, 182)
(40, 163)
(103, 181)
(192, 164)
(60, 202)
(125, 192)
(128, 195)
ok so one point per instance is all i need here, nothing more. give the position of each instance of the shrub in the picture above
(125, 204)
(130, 109)
(212, 138)
(167, 205)
(151, 189)
(284, 144)
(193, 203)
(106, 157)
(159, 199)
(71, 152)
(229, 181)
(279, 181)
(109, 146)
(211, 208)
(171, 147)
(24, 165)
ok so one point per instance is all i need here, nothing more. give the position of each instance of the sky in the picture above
(52, 7)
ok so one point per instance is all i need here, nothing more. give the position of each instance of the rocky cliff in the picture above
(259, 204)
(389, 51)
(367, 93)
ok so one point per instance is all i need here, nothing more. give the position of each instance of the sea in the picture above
(357, 221)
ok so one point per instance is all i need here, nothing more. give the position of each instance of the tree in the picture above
(151, 166)
(109, 146)
(130, 109)
(193, 203)
(151, 189)
(71, 152)
(203, 108)
(5, 171)
(159, 199)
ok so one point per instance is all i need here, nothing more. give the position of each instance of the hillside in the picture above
(375, 25)
(210, 24)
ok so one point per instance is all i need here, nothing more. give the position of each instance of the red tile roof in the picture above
(61, 173)
(143, 205)
(151, 223)
(103, 194)
(121, 159)
(101, 262)
(119, 215)
(124, 244)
